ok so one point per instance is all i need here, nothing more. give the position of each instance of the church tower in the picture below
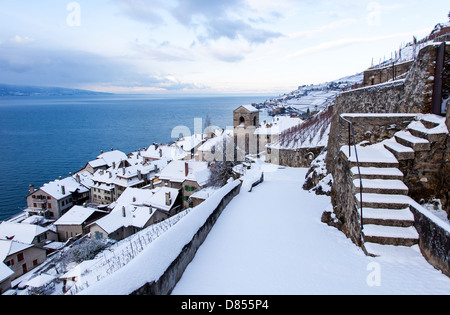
(245, 122)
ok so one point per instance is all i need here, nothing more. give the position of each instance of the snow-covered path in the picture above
(271, 241)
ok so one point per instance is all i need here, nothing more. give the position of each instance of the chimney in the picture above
(78, 179)
(160, 153)
(114, 165)
(63, 190)
(31, 189)
(134, 199)
(123, 171)
(186, 169)
(168, 200)
(124, 212)
(139, 174)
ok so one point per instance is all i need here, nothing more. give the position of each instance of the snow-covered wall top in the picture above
(152, 263)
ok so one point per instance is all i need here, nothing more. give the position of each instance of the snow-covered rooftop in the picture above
(158, 200)
(175, 172)
(24, 233)
(8, 247)
(76, 216)
(250, 108)
(278, 125)
(70, 184)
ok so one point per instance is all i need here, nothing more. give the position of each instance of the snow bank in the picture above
(151, 264)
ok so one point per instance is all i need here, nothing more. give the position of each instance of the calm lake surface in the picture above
(42, 138)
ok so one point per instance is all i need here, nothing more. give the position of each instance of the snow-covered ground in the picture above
(271, 241)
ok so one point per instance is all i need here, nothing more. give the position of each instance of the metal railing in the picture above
(351, 135)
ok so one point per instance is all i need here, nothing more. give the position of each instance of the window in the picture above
(20, 257)
(49, 205)
(98, 235)
(35, 263)
(10, 263)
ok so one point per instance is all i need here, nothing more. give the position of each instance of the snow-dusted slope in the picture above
(266, 245)
(313, 97)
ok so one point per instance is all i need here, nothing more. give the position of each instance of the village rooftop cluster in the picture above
(116, 195)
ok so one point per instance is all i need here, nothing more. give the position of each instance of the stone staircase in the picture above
(387, 218)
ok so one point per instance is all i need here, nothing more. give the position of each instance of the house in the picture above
(199, 197)
(5, 277)
(76, 221)
(130, 215)
(271, 132)
(166, 200)
(27, 233)
(103, 189)
(137, 176)
(217, 149)
(105, 161)
(20, 258)
(55, 198)
(189, 145)
(157, 152)
(189, 177)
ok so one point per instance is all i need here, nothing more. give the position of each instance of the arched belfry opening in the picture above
(246, 116)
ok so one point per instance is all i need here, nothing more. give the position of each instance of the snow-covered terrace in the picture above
(264, 244)
(272, 241)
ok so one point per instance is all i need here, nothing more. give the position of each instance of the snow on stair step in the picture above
(389, 235)
(435, 134)
(432, 121)
(371, 156)
(386, 201)
(404, 217)
(407, 139)
(400, 151)
(371, 230)
(382, 186)
(403, 253)
(378, 173)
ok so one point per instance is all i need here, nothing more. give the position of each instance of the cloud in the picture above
(21, 40)
(326, 46)
(43, 67)
(163, 52)
(146, 11)
(211, 20)
(322, 29)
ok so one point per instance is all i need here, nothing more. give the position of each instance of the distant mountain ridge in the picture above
(21, 90)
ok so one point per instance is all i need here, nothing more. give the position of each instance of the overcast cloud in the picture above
(202, 46)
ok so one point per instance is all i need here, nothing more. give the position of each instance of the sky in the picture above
(202, 46)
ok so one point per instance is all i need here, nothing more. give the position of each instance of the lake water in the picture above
(42, 138)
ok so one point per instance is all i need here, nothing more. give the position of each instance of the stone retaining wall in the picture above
(302, 157)
(434, 241)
